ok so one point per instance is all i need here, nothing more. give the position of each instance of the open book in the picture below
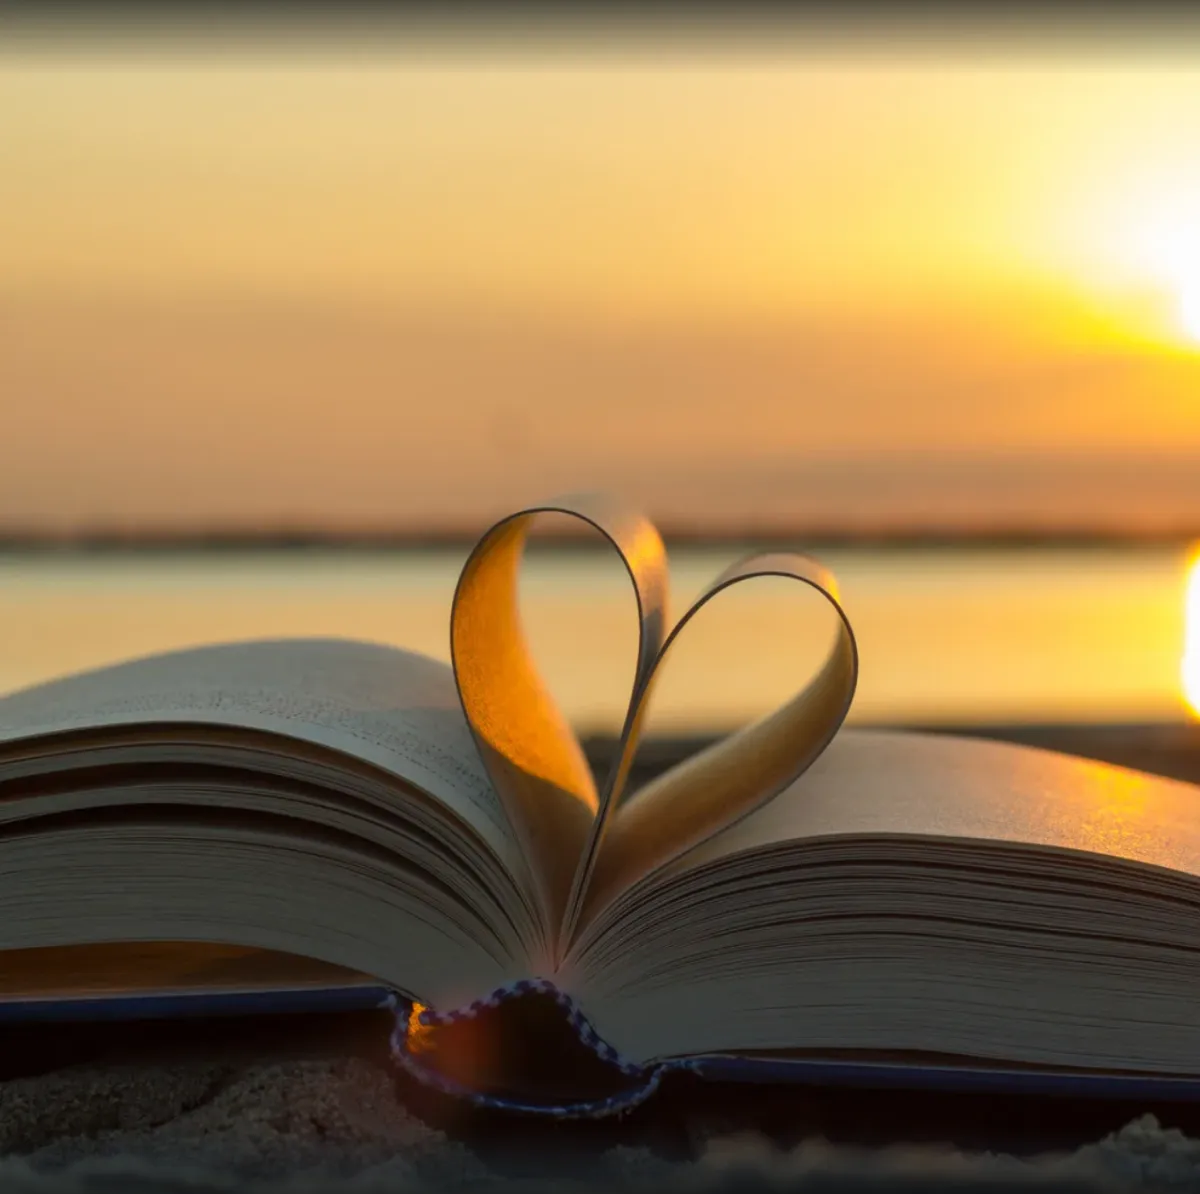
(338, 823)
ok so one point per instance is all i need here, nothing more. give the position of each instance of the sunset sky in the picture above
(401, 283)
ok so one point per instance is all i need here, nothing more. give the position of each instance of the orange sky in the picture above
(396, 285)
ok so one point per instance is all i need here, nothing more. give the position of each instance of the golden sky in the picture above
(398, 283)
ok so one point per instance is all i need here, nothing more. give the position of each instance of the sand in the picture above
(337, 1124)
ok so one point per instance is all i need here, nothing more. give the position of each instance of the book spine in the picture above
(412, 1018)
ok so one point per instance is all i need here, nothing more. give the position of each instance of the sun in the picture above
(1170, 247)
(1189, 308)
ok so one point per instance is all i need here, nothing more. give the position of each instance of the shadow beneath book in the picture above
(529, 1047)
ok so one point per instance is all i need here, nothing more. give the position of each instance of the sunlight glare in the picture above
(1189, 308)
(1171, 241)
(1190, 663)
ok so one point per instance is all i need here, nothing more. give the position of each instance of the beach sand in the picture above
(337, 1123)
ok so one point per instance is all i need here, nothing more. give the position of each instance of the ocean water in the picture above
(945, 635)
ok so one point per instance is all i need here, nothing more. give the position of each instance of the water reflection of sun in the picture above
(1190, 662)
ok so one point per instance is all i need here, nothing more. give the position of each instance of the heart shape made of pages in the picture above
(587, 844)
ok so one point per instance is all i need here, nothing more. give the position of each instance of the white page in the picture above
(390, 708)
(888, 782)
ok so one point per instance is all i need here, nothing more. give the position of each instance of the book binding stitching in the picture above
(649, 1076)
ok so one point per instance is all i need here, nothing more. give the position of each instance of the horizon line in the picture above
(218, 539)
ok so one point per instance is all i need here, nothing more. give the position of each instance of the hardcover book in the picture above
(304, 824)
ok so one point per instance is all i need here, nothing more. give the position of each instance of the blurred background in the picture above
(292, 308)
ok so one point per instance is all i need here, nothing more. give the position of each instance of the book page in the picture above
(529, 749)
(874, 782)
(159, 966)
(920, 891)
(390, 708)
(719, 786)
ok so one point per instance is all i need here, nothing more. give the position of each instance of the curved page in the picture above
(722, 784)
(530, 752)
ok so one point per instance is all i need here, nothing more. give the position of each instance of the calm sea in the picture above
(946, 635)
